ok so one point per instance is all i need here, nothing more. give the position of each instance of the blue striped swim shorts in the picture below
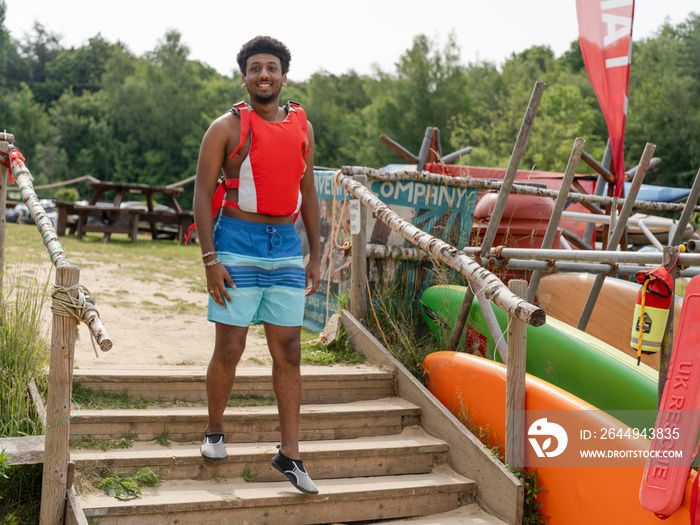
(266, 264)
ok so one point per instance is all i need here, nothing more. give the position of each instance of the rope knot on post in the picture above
(66, 304)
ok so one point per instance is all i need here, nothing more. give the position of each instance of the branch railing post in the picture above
(616, 235)
(499, 208)
(554, 220)
(515, 384)
(495, 185)
(687, 211)
(56, 453)
(358, 261)
(493, 288)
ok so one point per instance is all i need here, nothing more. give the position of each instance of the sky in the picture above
(333, 36)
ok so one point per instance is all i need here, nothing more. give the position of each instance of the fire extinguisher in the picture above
(651, 311)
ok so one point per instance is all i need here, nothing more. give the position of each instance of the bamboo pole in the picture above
(497, 213)
(588, 234)
(56, 454)
(687, 211)
(25, 183)
(515, 384)
(618, 231)
(489, 184)
(561, 260)
(461, 320)
(493, 287)
(558, 209)
(513, 163)
(491, 322)
(599, 168)
(358, 261)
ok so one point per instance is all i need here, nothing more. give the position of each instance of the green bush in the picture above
(67, 194)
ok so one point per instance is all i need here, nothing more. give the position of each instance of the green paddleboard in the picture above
(575, 361)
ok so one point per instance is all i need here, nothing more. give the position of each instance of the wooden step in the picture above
(274, 503)
(466, 515)
(250, 424)
(411, 452)
(320, 384)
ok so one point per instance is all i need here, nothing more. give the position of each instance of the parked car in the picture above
(12, 214)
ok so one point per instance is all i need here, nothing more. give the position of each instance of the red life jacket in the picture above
(270, 175)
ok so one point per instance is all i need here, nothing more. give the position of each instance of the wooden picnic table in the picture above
(113, 218)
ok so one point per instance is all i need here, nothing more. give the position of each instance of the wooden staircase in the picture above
(361, 444)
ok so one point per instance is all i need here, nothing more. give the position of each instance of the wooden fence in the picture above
(71, 304)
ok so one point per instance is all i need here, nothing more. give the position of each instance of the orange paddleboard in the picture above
(579, 490)
(563, 297)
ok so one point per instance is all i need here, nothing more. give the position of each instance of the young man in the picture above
(253, 257)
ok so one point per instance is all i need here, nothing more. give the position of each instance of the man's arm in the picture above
(311, 216)
(212, 154)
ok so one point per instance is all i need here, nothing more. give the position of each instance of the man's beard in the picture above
(266, 99)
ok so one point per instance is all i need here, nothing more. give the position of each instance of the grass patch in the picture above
(396, 319)
(163, 439)
(339, 351)
(99, 400)
(250, 474)
(24, 351)
(121, 442)
(20, 494)
(121, 485)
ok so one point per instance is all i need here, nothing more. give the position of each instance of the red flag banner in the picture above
(605, 36)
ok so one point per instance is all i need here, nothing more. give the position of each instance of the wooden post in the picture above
(499, 207)
(5, 140)
(515, 384)
(617, 232)
(358, 273)
(669, 256)
(551, 232)
(56, 455)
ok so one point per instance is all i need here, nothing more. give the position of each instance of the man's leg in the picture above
(285, 349)
(228, 349)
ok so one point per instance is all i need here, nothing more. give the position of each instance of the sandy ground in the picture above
(152, 320)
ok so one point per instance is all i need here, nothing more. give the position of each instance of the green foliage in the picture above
(98, 109)
(339, 351)
(250, 474)
(23, 354)
(531, 507)
(396, 320)
(163, 439)
(67, 194)
(127, 488)
(20, 494)
(121, 442)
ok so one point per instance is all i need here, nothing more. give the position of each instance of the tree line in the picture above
(99, 109)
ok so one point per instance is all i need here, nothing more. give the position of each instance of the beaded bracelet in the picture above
(208, 254)
(211, 263)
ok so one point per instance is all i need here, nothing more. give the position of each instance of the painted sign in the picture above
(445, 212)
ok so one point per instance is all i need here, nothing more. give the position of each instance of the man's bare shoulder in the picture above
(226, 123)
(224, 131)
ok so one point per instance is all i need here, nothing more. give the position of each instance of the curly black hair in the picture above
(264, 44)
